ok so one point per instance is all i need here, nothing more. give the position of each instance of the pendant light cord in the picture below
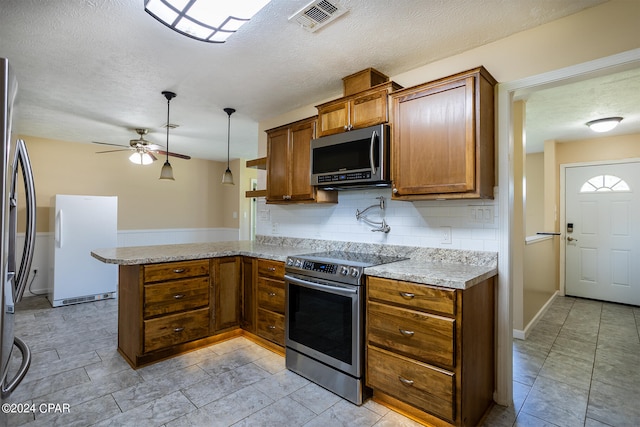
(228, 137)
(168, 106)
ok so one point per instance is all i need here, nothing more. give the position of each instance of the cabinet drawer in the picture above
(425, 387)
(426, 337)
(271, 295)
(174, 296)
(270, 326)
(175, 270)
(270, 268)
(175, 329)
(412, 295)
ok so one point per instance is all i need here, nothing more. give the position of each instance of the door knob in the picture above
(571, 239)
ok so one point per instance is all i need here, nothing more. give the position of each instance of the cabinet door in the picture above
(301, 136)
(248, 317)
(369, 110)
(226, 288)
(434, 139)
(333, 117)
(278, 165)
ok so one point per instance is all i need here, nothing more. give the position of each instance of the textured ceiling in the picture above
(93, 70)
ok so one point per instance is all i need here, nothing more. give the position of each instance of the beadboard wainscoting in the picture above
(450, 224)
(42, 265)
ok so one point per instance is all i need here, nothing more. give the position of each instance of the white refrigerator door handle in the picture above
(58, 230)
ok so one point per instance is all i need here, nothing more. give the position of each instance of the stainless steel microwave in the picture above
(358, 158)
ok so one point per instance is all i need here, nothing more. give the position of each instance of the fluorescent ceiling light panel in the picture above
(212, 21)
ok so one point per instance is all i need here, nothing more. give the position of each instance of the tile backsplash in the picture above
(453, 224)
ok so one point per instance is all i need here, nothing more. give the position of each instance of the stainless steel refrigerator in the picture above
(13, 279)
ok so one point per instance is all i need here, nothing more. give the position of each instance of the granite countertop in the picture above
(458, 269)
(134, 255)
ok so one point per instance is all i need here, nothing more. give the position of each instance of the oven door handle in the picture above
(321, 287)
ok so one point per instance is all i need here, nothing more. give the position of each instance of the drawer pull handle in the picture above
(178, 296)
(178, 270)
(272, 294)
(271, 327)
(407, 295)
(178, 329)
(271, 269)
(406, 333)
(405, 381)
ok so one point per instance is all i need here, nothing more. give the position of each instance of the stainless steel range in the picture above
(324, 331)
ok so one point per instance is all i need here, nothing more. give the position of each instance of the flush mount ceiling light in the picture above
(604, 125)
(167, 171)
(205, 20)
(227, 177)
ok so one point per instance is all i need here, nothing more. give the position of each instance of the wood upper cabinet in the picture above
(443, 138)
(366, 108)
(288, 165)
(225, 291)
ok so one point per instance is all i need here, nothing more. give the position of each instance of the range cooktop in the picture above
(339, 266)
(356, 259)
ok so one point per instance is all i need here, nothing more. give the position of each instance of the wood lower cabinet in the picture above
(248, 295)
(168, 308)
(430, 350)
(288, 165)
(270, 301)
(225, 291)
(443, 138)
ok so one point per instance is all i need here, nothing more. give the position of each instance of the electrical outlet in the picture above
(274, 228)
(445, 233)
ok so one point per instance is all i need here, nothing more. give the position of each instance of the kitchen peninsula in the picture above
(176, 298)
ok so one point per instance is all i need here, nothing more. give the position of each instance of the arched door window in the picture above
(604, 183)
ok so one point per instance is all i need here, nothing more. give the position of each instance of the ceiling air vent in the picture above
(317, 14)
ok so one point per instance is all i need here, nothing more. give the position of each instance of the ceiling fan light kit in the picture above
(227, 177)
(141, 158)
(204, 20)
(167, 171)
(604, 125)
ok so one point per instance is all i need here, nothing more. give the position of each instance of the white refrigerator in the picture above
(80, 225)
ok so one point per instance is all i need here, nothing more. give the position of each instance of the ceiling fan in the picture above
(143, 150)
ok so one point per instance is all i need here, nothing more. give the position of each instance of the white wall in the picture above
(473, 224)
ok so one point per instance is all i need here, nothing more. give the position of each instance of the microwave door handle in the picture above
(371, 146)
(22, 158)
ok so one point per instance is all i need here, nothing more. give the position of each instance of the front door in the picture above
(602, 244)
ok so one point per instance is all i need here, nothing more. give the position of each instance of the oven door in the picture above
(324, 321)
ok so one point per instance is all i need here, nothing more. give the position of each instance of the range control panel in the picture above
(329, 270)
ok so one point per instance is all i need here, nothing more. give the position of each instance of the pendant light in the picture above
(227, 177)
(167, 171)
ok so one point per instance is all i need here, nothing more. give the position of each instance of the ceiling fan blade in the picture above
(154, 158)
(180, 156)
(112, 151)
(108, 143)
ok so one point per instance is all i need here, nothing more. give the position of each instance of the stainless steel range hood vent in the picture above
(318, 14)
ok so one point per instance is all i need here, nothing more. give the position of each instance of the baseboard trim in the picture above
(522, 334)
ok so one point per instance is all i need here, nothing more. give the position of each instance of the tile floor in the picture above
(580, 366)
